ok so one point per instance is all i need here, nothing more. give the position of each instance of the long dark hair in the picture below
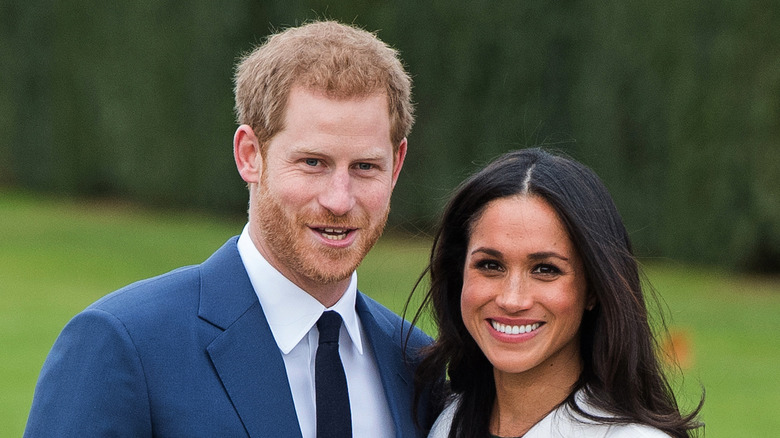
(621, 372)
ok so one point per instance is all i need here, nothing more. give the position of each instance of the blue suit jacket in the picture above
(190, 354)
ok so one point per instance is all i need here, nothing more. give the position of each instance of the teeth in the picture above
(332, 237)
(334, 233)
(514, 329)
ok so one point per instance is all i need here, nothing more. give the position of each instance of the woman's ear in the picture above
(246, 152)
(591, 302)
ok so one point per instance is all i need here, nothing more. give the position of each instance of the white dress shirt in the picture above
(292, 315)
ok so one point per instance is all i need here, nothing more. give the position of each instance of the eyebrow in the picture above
(315, 150)
(546, 255)
(534, 256)
(488, 251)
(306, 150)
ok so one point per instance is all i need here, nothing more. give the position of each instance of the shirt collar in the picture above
(291, 312)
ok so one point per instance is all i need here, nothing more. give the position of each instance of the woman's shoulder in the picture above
(633, 431)
(562, 422)
(565, 422)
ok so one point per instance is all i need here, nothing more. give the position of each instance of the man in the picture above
(230, 347)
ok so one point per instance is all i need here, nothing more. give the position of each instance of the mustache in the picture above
(327, 218)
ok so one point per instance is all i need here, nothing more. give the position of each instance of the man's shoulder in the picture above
(176, 291)
(381, 314)
(394, 325)
(153, 292)
(378, 309)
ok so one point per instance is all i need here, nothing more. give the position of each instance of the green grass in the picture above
(58, 256)
(733, 324)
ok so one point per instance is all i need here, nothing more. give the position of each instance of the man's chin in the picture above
(331, 273)
(333, 265)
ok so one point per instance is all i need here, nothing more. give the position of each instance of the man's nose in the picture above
(337, 194)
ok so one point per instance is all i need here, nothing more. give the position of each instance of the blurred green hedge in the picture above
(675, 104)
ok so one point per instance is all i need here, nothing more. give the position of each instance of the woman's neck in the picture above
(524, 399)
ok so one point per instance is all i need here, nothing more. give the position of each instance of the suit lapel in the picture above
(396, 375)
(245, 354)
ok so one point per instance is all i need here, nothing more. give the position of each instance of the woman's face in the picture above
(524, 290)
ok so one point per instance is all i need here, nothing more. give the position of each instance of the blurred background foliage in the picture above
(676, 104)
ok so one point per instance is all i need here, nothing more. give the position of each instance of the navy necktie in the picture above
(333, 413)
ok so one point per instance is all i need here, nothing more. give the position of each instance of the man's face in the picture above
(324, 191)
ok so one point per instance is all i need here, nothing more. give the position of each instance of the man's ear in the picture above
(246, 151)
(398, 160)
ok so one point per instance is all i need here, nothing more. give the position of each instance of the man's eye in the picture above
(312, 161)
(365, 166)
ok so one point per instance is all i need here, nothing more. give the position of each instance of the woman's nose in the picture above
(515, 295)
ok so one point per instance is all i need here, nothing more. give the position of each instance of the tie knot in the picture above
(329, 325)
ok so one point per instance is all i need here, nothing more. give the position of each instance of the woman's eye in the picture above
(488, 265)
(312, 162)
(546, 269)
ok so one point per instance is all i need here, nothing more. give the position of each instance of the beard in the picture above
(285, 235)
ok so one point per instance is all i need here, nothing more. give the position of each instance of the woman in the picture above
(542, 321)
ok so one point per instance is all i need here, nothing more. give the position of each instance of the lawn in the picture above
(58, 256)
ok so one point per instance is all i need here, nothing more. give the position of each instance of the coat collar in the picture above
(386, 339)
(225, 290)
(240, 354)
